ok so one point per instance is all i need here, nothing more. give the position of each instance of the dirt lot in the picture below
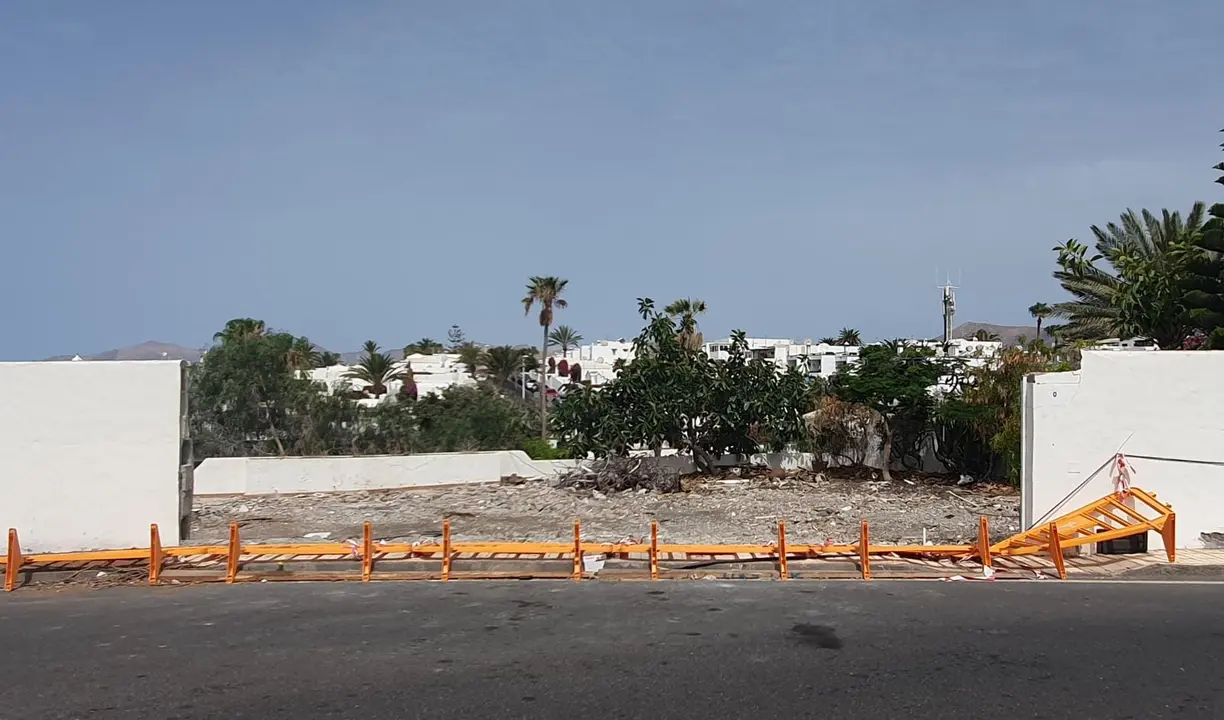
(727, 509)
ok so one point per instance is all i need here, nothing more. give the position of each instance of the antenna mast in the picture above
(949, 309)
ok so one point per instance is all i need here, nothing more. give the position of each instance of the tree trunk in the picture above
(886, 447)
(1038, 329)
(543, 386)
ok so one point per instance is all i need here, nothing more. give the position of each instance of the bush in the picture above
(538, 449)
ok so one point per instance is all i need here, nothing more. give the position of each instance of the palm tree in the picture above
(301, 357)
(424, 346)
(240, 329)
(685, 311)
(470, 356)
(565, 337)
(849, 336)
(827, 340)
(1142, 251)
(327, 358)
(375, 369)
(544, 291)
(1040, 311)
(501, 363)
(985, 335)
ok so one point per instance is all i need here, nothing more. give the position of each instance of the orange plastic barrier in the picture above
(1109, 518)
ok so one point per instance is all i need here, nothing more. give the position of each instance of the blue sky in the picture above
(382, 170)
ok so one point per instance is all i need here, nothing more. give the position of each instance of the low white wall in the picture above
(262, 476)
(90, 453)
(1163, 406)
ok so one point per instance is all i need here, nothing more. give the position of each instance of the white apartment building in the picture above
(431, 373)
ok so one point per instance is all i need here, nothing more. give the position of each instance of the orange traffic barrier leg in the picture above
(654, 550)
(984, 541)
(367, 551)
(783, 571)
(1168, 534)
(865, 550)
(14, 561)
(577, 575)
(1056, 552)
(155, 555)
(235, 552)
(446, 550)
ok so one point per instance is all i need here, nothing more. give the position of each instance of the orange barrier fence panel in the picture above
(654, 550)
(1056, 551)
(155, 555)
(234, 553)
(865, 550)
(446, 550)
(13, 561)
(577, 575)
(367, 551)
(783, 572)
(983, 547)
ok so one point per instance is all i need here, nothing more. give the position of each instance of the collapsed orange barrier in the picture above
(1106, 519)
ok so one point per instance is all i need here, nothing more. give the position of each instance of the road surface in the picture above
(695, 649)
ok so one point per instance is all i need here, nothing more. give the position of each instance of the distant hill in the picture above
(1008, 334)
(151, 350)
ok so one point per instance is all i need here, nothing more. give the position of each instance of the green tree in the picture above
(894, 382)
(985, 335)
(470, 419)
(327, 358)
(1134, 284)
(456, 338)
(545, 292)
(673, 395)
(244, 394)
(980, 425)
(241, 329)
(375, 370)
(565, 337)
(424, 346)
(849, 336)
(1206, 280)
(827, 340)
(685, 312)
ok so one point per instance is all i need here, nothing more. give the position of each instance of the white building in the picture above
(431, 373)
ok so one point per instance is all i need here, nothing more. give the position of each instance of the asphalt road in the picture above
(695, 649)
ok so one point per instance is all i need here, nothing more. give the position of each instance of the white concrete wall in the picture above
(1163, 405)
(261, 476)
(89, 453)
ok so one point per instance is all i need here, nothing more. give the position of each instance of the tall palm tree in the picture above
(1040, 311)
(240, 329)
(301, 357)
(849, 336)
(544, 291)
(1140, 250)
(565, 337)
(424, 346)
(685, 311)
(469, 356)
(375, 369)
(502, 362)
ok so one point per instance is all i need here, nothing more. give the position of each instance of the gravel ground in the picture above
(817, 508)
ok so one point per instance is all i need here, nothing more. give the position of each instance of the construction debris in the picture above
(621, 474)
(817, 507)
